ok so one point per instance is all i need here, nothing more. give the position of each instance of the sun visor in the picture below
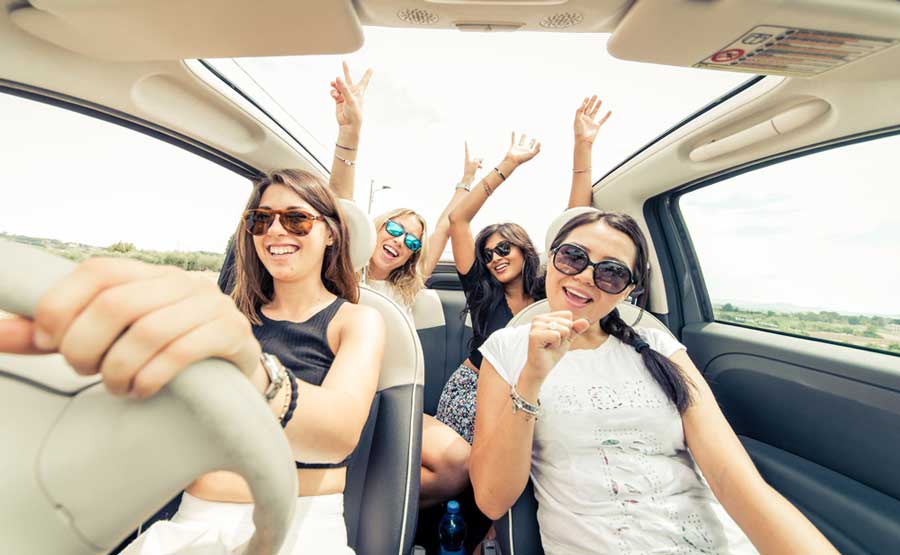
(146, 30)
(769, 37)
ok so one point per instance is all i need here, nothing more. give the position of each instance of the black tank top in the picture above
(303, 348)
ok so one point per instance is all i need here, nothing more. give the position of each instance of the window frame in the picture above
(129, 122)
(686, 290)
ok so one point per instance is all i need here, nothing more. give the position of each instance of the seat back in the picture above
(382, 491)
(431, 325)
(518, 532)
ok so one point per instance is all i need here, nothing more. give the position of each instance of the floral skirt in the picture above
(456, 407)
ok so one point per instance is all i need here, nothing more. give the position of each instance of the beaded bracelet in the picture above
(520, 404)
(344, 160)
(293, 405)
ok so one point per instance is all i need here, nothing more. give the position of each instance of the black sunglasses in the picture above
(502, 248)
(609, 276)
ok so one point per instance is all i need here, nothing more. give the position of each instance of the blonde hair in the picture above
(408, 279)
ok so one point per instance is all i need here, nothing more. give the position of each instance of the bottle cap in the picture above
(452, 507)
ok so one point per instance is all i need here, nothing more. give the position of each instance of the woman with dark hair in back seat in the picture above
(625, 444)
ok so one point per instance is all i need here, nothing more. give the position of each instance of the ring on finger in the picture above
(552, 326)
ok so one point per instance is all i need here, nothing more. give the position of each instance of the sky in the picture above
(431, 91)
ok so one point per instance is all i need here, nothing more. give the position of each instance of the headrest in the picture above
(562, 220)
(632, 315)
(362, 234)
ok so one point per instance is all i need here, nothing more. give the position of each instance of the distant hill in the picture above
(788, 308)
(191, 261)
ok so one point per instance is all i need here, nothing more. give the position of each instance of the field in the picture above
(873, 332)
(206, 262)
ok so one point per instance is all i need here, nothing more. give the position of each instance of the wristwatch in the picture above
(464, 185)
(276, 372)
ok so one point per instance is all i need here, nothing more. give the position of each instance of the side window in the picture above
(808, 246)
(82, 187)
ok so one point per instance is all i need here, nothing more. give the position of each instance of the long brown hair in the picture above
(253, 286)
(409, 278)
(671, 378)
(488, 294)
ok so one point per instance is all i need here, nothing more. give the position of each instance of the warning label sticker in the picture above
(794, 52)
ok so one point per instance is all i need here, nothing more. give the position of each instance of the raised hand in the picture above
(348, 98)
(470, 165)
(585, 127)
(549, 339)
(522, 150)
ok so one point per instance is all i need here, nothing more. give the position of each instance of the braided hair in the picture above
(670, 377)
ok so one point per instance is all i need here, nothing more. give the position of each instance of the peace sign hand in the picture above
(348, 98)
(585, 127)
(521, 152)
(470, 165)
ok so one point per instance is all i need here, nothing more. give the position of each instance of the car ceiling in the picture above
(106, 55)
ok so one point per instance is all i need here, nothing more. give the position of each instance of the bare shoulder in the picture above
(356, 317)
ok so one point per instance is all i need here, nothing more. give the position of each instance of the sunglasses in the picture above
(394, 229)
(609, 276)
(502, 248)
(293, 220)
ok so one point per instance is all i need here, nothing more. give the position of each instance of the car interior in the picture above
(820, 417)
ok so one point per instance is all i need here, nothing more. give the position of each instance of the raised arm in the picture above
(348, 104)
(585, 132)
(441, 232)
(501, 453)
(460, 218)
(329, 418)
(769, 520)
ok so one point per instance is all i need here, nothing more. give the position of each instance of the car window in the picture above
(83, 187)
(807, 246)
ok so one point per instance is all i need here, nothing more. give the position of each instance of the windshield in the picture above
(433, 89)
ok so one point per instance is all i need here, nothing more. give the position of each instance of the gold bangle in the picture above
(339, 145)
(585, 170)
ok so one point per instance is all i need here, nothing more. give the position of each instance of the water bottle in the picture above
(452, 531)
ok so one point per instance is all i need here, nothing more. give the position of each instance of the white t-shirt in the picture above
(609, 464)
(385, 288)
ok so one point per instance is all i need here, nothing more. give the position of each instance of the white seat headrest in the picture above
(362, 234)
(561, 220)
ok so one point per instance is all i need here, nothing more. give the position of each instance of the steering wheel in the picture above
(81, 468)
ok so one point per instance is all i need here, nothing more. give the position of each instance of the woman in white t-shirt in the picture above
(617, 428)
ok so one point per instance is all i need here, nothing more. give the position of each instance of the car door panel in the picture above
(821, 422)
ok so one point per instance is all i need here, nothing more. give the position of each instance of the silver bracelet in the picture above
(463, 185)
(345, 161)
(520, 404)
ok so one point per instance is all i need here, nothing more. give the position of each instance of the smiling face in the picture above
(285, 255)
(391, 252)
(578, 293)
(504, 268)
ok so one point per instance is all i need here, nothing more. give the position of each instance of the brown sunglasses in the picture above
(293, 220)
